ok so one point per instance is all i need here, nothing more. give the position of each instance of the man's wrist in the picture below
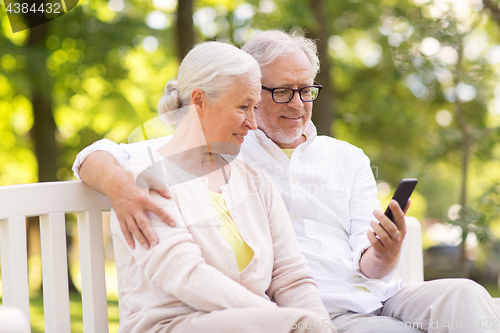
(115, 181)
(373, 267)
(385, 261)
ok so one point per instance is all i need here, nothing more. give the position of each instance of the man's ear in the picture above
(198, 99)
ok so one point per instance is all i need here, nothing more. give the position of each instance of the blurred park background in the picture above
(414, 83)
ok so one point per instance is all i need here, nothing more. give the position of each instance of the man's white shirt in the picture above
(330, 192)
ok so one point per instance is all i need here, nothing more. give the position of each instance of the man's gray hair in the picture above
(267, 46)
(211, 66)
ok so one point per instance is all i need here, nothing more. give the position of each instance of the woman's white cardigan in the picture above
(193, 268)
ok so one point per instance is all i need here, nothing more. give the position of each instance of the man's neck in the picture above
(292, 145)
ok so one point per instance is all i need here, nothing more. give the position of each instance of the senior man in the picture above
(330, 192)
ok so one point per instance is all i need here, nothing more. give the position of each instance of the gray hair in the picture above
(267, 46)
(211, 66)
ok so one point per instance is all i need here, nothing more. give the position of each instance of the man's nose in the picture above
(296, 102)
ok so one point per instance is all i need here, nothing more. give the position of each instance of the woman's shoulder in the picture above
(142, 161)
(252, 175)
(248, 169)
(150, 169)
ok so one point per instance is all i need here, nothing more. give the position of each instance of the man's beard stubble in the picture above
(278, 135)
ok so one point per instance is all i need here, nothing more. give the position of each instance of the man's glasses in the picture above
(285, 95)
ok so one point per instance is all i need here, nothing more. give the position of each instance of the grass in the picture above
(76, 317)
(493, 289)
(75, 301)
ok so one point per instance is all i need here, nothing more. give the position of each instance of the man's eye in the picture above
(280, 92)
(306, 91)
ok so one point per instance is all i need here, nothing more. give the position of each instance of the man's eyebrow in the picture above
(289, 85)
(284, 85)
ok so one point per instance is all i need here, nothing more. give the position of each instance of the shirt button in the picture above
(294, 217)
(294, 180)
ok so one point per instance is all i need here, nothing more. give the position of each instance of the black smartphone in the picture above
(402, 194)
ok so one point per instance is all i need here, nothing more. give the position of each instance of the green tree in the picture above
(445, 65)
(83, 75)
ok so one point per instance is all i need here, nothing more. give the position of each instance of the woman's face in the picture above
(228, 118)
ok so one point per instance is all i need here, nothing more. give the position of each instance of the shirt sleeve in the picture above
(121, 152)
(292, 283)
(362, 203)
(178, 267)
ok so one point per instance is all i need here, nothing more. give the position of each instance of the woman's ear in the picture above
(198, 99)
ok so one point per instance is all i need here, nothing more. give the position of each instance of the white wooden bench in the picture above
(51, 201)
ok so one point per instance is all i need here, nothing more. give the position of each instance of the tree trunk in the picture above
(463, 191)
(324, 109)
(185, 30)
(44, 126)
(495, 11)
(466, 146)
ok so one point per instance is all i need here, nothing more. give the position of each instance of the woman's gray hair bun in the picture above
(170, 101)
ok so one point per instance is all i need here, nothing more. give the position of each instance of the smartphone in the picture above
(402, 194)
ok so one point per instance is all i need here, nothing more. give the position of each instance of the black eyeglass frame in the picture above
(315, 85)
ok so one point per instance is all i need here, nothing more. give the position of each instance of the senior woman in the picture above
(231, 264)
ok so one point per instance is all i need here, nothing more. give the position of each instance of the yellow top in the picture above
(230, 232)
(289, 152)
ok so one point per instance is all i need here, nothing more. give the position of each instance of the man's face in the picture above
(285, 123)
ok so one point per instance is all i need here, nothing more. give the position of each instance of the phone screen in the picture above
(402, 194)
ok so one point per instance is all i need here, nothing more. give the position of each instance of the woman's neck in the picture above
(189, 149)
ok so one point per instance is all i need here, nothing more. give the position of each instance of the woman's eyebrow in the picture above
(251, 99)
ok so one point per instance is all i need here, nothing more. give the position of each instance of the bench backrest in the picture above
(51, 201)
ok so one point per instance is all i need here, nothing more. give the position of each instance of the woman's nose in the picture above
(250, 121)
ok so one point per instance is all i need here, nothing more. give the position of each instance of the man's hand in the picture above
(131, 204)
(101, 171)
(386, 240)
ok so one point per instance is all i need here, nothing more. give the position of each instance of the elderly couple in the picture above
(287, 236)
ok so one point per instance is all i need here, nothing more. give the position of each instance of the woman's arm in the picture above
(177, 266)
(292, 283)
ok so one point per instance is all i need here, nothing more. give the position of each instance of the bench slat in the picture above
(94, 303)
(55, 273)
(412, 253)
(14, 256)
(44, 198)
